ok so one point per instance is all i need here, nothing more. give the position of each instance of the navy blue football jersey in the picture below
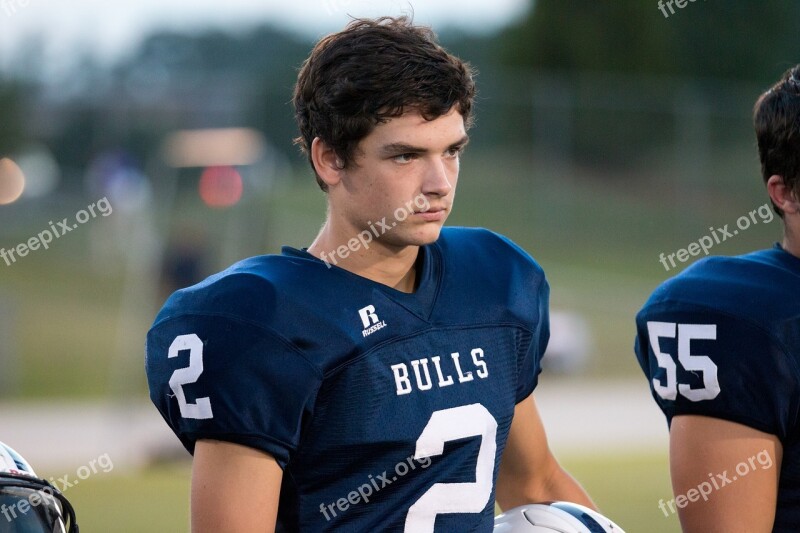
(722, 339)
(387, 411)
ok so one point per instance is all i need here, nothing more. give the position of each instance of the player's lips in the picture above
(434, 214)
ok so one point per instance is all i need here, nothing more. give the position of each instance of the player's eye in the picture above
(454, 152)
(404, 158)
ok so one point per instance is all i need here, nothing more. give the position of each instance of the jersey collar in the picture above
(420, 302)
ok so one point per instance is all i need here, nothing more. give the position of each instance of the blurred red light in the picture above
(12, 181)
(221, 186)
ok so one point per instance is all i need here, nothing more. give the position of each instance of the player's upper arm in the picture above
(729, 390)
(528, 471)
(224, 379)
(234, 489)
(724, 475)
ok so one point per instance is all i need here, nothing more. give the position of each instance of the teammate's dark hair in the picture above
(370, 72)
(776, 118)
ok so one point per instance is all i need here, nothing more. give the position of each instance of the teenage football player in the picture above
(375, 380)
(720, 344)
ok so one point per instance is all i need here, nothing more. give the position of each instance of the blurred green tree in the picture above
(582, 35)
(12, 128)
(622, 79)
(738, 39)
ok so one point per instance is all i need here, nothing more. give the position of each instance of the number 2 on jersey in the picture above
(443, 426)
(201, 409)
(686, 333)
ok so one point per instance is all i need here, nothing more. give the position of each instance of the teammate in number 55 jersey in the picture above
(720, 345)
(382, 378)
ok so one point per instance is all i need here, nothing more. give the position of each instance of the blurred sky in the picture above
(110, 29)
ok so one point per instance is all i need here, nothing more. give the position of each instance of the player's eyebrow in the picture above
(404, 148)
(461, 143)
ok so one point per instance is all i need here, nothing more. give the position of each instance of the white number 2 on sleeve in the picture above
(201, 409)
(444, 426)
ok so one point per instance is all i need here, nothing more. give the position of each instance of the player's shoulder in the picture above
(762, 286)
(486, 250)
(249, 290)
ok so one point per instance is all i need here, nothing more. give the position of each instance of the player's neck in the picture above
(389, 265)
(791, 246)
(396, 270)
(791, 233)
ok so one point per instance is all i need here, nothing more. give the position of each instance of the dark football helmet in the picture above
(29, 504)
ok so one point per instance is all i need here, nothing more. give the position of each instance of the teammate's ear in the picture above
(326, 162)
(782, 196)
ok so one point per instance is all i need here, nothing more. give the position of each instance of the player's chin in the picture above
(423, 234)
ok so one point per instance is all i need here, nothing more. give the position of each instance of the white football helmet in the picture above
(29, 504)
(553, 517)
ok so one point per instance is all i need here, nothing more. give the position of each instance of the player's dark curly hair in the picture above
(776, 118)
(370, 72)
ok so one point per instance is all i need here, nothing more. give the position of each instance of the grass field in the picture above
(626, 488)
(153, 500)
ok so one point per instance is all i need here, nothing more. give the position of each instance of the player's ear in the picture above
(782, 196)
(327, 163)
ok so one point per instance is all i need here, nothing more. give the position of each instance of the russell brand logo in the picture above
(370, 320)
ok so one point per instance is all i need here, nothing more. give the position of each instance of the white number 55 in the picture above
(686, 333)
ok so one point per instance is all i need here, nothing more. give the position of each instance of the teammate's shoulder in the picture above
(480, 245)
(248, 289)
(746, 284)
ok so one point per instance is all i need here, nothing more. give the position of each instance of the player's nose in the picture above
(438, 179)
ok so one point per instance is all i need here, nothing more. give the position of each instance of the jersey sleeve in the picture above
(531, 299)
(531, 365)
(221, 378)
(709, 363)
